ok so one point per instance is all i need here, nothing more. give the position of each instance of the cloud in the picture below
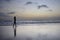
(28, 3)
(8, 0)
(44, 6)
(41, 6)
(50, 10)
(5, 19)
(5, 0)
(11, 13)
(3, 14)
(6, 14)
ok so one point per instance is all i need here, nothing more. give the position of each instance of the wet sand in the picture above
(47, 31)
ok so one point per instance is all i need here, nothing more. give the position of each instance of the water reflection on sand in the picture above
(46, 31)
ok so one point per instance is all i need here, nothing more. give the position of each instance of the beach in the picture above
(44, 31)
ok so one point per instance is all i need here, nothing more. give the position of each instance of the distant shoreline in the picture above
(21, 23)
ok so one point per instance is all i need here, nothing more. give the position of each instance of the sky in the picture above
(30, 9)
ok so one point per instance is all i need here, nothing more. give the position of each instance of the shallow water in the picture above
(45, 31)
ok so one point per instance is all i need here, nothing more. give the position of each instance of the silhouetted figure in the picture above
(14, 26)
